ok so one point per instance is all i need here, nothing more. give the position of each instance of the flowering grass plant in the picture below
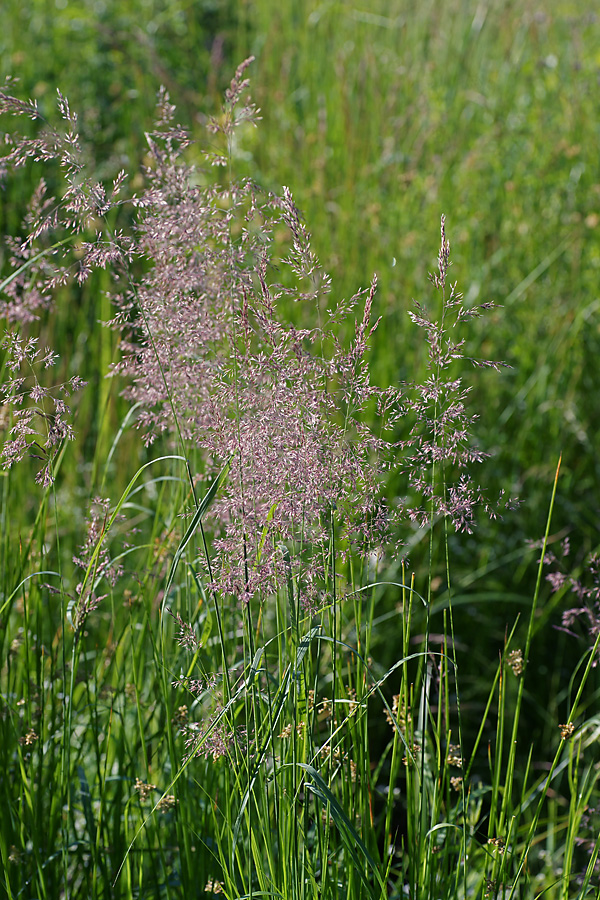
(193, 701)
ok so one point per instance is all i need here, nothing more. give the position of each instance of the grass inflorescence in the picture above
(219, 672)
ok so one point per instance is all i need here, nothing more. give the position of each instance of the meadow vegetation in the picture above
(298, 587)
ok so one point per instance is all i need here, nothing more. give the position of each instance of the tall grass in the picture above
(214, 696)
(379, 120)
(385, 116)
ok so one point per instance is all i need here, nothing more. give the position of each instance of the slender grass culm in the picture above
(223, 677)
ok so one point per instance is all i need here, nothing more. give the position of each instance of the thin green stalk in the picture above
(507, 804)
(546, 785)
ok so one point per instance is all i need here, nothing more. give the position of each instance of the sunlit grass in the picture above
(400, 749)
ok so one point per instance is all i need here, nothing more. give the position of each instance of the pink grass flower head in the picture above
(211, 358)
(439, 454)
(583, 619)
(55, 224)
(66, 237)
(95, 559)
(38, 416)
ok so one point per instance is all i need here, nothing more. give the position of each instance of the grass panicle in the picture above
(219, 672)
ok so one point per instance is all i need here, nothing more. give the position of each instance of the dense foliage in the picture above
(272, 622)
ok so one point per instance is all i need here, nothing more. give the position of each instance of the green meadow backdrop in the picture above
(380, 117)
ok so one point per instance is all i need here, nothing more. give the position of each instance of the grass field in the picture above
(257, 637)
